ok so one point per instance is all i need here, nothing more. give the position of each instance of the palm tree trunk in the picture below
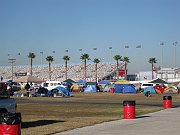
(96, 72)
(31, 68)
(152, 72)
(49, 71)
(117, 69)
(85, 70)
(125, 68)
(66, 68)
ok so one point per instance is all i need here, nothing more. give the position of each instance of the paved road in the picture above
(165, 122)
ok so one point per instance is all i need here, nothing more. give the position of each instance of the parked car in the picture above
(16, 87)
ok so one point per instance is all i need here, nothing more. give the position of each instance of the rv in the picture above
(51, 84)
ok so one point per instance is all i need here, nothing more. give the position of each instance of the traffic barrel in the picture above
(167, 101)
(129, 109)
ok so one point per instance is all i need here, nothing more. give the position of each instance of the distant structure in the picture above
(167, 74)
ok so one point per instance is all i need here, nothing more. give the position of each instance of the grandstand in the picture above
(74, 72)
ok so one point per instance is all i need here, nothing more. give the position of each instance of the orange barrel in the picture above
(129, 109)
(167, 101)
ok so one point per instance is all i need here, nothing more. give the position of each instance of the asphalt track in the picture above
(164, 122)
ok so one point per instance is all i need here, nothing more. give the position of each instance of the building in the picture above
(167, 74)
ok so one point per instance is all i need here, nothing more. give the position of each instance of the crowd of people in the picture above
(58, 72)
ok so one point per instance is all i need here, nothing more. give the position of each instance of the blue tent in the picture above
(90, 88)
(124, 88)
(104, 82)
(81, 82)
(151, 89)
(61, 91)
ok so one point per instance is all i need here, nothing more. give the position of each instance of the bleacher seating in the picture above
(75, 72)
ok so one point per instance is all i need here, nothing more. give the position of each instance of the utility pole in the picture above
(12, 61)
(162, 44)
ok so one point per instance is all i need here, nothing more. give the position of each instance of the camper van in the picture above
(51, 84)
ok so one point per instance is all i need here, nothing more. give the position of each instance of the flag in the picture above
(19, 54)
(110, 47)
(94, 48)
(126, 46)
(66, 50)
(139, 46)
(80, 49)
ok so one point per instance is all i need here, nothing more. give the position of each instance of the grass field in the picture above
(47, 115)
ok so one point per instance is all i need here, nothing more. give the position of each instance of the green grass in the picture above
(46, 115)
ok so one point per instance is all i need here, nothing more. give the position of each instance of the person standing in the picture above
(27, 87)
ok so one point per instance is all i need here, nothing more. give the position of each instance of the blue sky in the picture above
(53, 26)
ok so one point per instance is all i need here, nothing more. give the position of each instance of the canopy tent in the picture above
(170, 90)
(29, 78)
(61, 92)
(122, 82)
(160, 81)
(150, 89)
(90, 88)
(69, 81)
(124, 88)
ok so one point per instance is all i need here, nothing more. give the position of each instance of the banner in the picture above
(122, 72)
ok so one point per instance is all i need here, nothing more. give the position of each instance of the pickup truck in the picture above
(7, 104)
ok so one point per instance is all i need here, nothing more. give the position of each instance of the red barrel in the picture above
(111, 90)
(129, 109)
(167, 101)
(10, 129)
(10, 123)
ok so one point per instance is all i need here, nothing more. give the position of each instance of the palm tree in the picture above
(84, 57)
(49, 59)
(117, 58)
(152, 61)
(96, 61)
(66, 58)
(126, 61)
(31, 56)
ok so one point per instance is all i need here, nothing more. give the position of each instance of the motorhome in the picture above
(51, 84)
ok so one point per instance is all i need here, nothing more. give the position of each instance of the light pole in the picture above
(110, 48)
(175, 44)
(41, 57)
(66, 51)
(81, 71)
(12, 61)
(80, 51)
(162, 44)
(94, 50)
